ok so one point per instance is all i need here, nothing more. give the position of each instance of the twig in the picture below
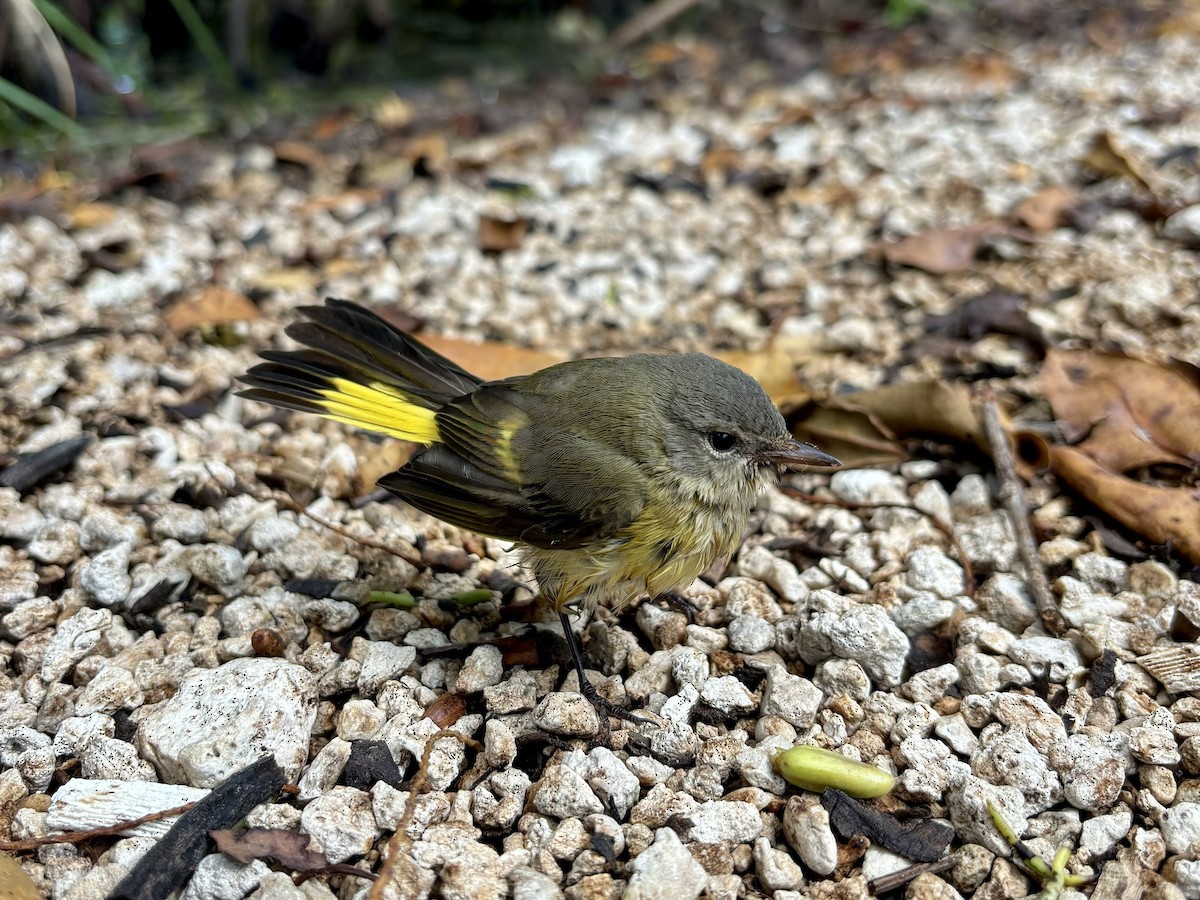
(886, 883)
(73, 837)
(1013, 498)
(649, 18)
(943, 527)
(400, 834)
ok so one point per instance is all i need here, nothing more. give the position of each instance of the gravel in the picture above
(165, 618)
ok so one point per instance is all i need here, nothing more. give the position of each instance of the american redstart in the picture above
(617, 477)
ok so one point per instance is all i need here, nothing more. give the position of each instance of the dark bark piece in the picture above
(923, 841)
(173, 859)
(31, 469)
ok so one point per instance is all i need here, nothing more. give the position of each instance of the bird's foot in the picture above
(681, 603)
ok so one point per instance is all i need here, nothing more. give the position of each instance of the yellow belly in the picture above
(661, 552)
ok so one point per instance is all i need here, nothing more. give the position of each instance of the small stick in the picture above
(885, 883)
(1013, 498)
(73, 837)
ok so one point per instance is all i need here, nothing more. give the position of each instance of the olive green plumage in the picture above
(617, 477)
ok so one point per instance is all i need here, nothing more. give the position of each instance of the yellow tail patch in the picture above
(381, 408)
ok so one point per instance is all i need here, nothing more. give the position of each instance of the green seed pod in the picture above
(815, 769)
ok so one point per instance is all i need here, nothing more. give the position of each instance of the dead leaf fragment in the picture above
(775, 367)
(497, 235)
(90, 215)
(300, 154)
(288, 848)
(939, 251)
(1164, 515)
(1125, 413)
(1047, 209)
(214, 305)
(1108, 159)
(866, 428)
(492, 361)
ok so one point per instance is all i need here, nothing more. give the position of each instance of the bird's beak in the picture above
(792, 454)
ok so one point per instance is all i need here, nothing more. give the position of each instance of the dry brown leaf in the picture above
(376, 460)
(300, 154)
(299, 278)
(90, 215)
(1047, 209)
(939, 251)
(288, 848)
(333, 201)
(989, 69)
(214, 305)
(1164, 515)
(1132, 413)
(1108, 159)
(775, 367)
(491, 361)
(342, 265)
(866, 428)
(15, 884)
(496, 235)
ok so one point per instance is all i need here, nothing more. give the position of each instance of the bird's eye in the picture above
(721, 441)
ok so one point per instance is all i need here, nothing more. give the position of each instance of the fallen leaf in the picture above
(288, 848)
(1108, 159)
(939, 251)
(1164, 515)
(996, 312)
(90, 215)
(489, 360)
(775, 367)
(923, 840)
(213, 305)
(867, 428)
(393, 113)
(298, 278)
(1124, 413)
(1047, 209)
(15, 884)
(300, 154)
(376, 460)
(496, 235)
(989, 69)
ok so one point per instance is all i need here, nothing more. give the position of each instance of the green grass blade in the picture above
(41, 110)
(205, 41)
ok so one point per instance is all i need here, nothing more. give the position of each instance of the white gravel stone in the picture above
(73, 640)
(721, 821)
(868, 486)
(750, 634)
(780, 575)
(807, 829)
(219, 877)
(112, 689)
(325, 769)
(1047, 657)
(222, 719)
(1180, 826)
(728, 695)
(1101, 833)
(381, 661)
(608, 776)
(929, 569)
(483, 668)
(342, 823)
(82, 804)
(665, 871)
(568, 714)
(790, 697)
(562, 792)
(865, 634)
(776, 870)
(689, 666)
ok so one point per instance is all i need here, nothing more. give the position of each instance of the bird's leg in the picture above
(681, 603)
(604, 707)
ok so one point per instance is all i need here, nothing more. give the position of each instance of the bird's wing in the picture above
(500, 471)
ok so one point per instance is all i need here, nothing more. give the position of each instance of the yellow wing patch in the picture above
(381, 408)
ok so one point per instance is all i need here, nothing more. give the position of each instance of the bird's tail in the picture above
(360, 370)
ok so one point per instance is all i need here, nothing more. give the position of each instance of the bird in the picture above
(615, 477)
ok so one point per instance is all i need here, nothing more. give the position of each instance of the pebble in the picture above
(665, 871)
(722, 821)
(806, 828)
(568, 714)
(222, 719)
